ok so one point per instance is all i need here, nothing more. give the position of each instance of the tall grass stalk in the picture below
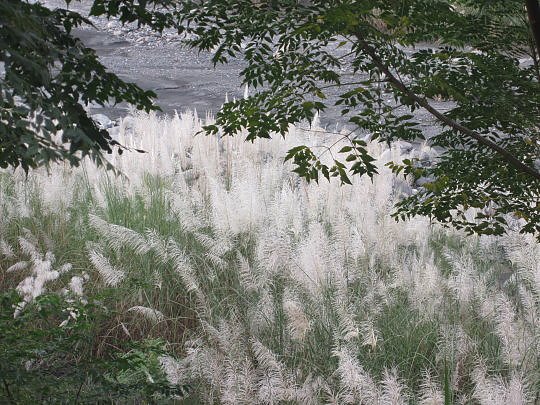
(271, 290)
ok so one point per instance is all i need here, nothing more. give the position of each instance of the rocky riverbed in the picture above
(181, 77)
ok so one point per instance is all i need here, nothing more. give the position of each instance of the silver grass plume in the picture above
(262, 315)
(454, 345)
(248, 279)
(354, 380)
(18, 266)
(272, 384)
(308, 392)
(111, 275)
(153, 315)
(516, 339)
(498, 391)
(393, 389)
(430, 391)
(347, 329)
(30, 237)
(216, 248)
(239, 385)
(298, 323)
(158, 245)
(76, 284)
(29, 248)
(118, 237)
(6, 250)
(182, 266)
(369, 334)
(174, 370)
(42, 272)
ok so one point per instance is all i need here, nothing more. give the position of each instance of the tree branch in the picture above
(533, 10)
(508, 156)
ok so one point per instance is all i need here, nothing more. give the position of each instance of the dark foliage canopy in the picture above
(479, 55)
(49, 75)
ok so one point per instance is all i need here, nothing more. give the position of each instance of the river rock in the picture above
(103, 121)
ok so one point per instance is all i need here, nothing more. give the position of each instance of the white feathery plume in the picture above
(18, 266)
(183, 267)
(347, 327)
(118, 236)
(217, 246)
(29, 248)
(248, 279)
(498, 391)
(424, 283)
(125, 329)
(56, 188)
(76, 284)
(158, 280)
(65, 268)
(98, 196)
(216, 260)
(6, 250)
(285, 211)
(111, 275)
(465, 281)
(246, 201)
(205, 363)
(430, 391)
(49, 256)
(30, 237)
(174, 370)
(515, 339)
(184, 206)
(530, 308)
(299, 324)
(226, 336)
(158, 244)
(370, 335)
(313, 269)
(261, 315)
(524, 252)
(354, 379)
(21, 202)
(153, 315)
(517, 391)
(308, 392)
(272, 384)
(240, 383)
(274, 252)
(393, 390)
(33, 286)
(454, 345)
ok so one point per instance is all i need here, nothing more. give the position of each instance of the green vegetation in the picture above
(48, 356)
(226, 280)
(47, 78)
(482, 56)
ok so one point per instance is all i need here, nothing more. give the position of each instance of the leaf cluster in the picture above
(45, 361)
(487, 136)
(47, 78)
